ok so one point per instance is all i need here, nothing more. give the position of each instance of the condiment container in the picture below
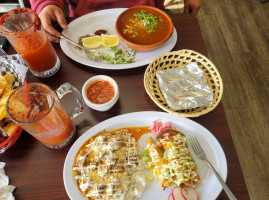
(92, 82)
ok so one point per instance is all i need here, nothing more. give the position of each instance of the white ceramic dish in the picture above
(105, 19)
(105, 106)
(210, 187)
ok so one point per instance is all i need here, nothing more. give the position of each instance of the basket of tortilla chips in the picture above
(13, 74)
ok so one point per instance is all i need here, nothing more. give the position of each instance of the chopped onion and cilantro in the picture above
(121, 56)
(112, 55)
(142, 23)
(150, 21)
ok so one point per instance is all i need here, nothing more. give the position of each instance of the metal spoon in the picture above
(88, 52)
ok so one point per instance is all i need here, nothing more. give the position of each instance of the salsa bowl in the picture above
(100, 92)
(144, 28)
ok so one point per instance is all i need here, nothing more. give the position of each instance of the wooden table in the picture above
(37, 171)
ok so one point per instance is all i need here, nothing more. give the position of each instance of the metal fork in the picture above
(201, 155)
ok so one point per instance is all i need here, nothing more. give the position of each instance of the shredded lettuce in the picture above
(146, 159)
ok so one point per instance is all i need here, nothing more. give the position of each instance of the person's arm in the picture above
(38, 5)
(49, 12)
(192, 6)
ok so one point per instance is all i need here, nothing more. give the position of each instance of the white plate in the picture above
(89, 23)
(210, 187)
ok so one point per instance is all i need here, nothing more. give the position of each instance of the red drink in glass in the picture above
(38, 110)
(22, 28)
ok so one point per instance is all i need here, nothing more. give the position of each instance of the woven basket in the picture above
(178, 59)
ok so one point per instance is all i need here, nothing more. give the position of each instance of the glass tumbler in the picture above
(22, 28)
(37, 109)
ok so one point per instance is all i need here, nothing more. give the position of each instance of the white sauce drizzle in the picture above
(180, 166)
(110, 168)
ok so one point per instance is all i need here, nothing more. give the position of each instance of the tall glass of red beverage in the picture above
(22, 28)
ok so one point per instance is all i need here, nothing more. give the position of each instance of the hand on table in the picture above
(50, 14)
(192, 6)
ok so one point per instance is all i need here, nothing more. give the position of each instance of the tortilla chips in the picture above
(6, 83)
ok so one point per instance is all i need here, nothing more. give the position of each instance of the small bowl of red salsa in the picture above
(100, 92)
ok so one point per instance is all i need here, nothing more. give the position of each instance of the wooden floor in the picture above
(236, 35)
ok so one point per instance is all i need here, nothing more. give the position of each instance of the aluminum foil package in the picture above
(185, 87)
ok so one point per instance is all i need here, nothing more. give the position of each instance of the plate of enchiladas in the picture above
(125, 157)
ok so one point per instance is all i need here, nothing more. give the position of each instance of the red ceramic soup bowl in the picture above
(144, 28)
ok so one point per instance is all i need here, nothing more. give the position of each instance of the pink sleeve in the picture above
(38, 5)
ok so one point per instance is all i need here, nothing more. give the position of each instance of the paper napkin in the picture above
(5, 189)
